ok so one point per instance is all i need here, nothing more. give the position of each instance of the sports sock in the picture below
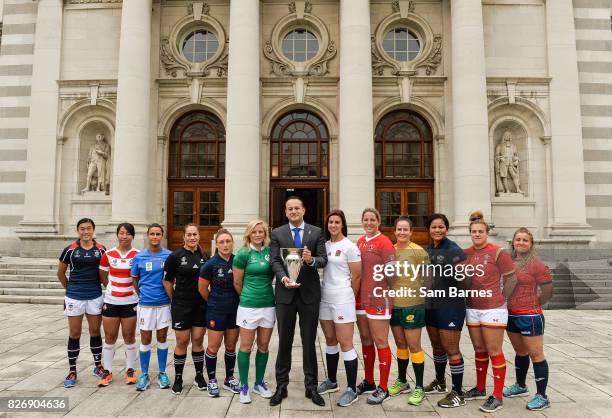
(418, 365)
(145, 357)
(521, 366)
(440, 360)
(498, 363)
(540, 370)
(130, 355)
(384, 366)
(243, 366)
(403, 359)
(350, 365)
(211, 364)
(456, 368)
(332, 357)
(261, 361)
(198, 361)
(95, 345)
(179, 364)
(108, 354)
(482, 364)
(230, 363)
(369, 358)
(73, 350)
(162, 356)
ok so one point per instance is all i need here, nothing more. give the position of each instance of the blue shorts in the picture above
(530, 325)
(221, 319)
(451, 319)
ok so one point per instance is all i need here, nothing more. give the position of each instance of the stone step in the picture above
(595, 305)
(577, 290)
(32, 285)
(32, 292)
(49, 300)
(33, 278)
(35, 265)
(29, 272)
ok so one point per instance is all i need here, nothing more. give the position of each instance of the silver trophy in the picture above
(292, 258)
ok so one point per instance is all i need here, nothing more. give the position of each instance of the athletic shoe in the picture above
(378, 397)
(417, 397)
(347, 398)
(232, 384)
(435, 387)
(538, 403)
(98, 371)
(163, 381)
(130, 377)
(106, 378)
(474, 393)
(262, 390)
(399, 387)
(245, 397)
(143, 383)
(491, 405)
(327, 387)
(452, 400)
(213, 388)
(177, 387)
(515, 390)
(365, 387)
(70, 380)
(199, 381)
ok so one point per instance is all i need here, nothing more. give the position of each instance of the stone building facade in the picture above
(214, 111)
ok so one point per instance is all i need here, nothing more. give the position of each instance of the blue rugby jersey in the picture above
(149, 268)
(219, 274)
(84, 265)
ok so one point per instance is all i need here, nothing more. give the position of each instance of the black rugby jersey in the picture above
(183, 268)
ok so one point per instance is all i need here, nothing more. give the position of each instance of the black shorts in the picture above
(119, 311)
(450, 318)
(221, 319)
(186, 315)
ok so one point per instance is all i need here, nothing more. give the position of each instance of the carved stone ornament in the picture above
(175, 63)
(395, 6)
(427, 60)
(316, 66)
(507, 163)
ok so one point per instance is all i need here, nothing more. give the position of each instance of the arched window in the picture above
(403, 147)
(197, 147)
(300, 144)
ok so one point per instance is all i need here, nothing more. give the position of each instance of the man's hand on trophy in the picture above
(307, 256)
(288, 284)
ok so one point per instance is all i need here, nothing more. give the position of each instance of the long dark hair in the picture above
(340, 214)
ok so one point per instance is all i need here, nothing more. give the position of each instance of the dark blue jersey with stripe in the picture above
(84, 281)
(219, 275)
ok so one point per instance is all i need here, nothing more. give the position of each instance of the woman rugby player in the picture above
(153, 306)
(487, 314)
(374, 307)
(444, 316)
(216, 286)
(526, 320)
(256, 313)
(188, 308)
(341, 279)
(408, 315)
(83, 296)
(120, 301)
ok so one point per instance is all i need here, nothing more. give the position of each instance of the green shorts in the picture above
(408, 318)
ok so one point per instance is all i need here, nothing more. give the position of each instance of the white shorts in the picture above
(152, 318)
(253, 318)
(492, 318)
(74, 307)
(340, 313)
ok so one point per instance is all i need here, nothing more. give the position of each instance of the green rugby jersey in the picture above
(257, 289)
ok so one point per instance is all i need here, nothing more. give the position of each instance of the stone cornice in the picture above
(91, 1)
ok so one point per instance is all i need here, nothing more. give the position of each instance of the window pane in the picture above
(390, 207)
(401, 44)
(182, 208)
(200, 46)
(300, 45)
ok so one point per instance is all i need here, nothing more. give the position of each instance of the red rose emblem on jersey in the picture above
(338, 252)
(211, 323)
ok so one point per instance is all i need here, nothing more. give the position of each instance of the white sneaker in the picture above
(262, 390)
(245, 397)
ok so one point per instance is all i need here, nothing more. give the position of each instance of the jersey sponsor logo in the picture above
(340, 318)
(244, 322)
(195, 266)
(142, 321)
(451, 324)
(177, 324)
(149, 266)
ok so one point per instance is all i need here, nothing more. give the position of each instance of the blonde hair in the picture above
(249, 230)
(477, 218)
(371, 210)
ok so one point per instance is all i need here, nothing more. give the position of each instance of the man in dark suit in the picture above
(302, 298)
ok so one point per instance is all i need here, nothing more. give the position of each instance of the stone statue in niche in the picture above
(98, 166)
(507, 166)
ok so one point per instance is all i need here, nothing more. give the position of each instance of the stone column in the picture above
(356, 132)
(40, 190)
(242, 163)
(568, 190)
(133, 137)
(470, 137)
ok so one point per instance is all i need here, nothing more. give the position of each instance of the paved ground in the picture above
(33, 363)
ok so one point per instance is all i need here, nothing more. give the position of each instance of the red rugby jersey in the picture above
(495, 263)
